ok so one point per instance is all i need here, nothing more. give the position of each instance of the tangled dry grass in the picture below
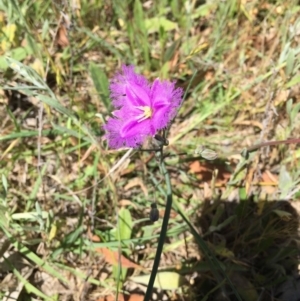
(74, 214)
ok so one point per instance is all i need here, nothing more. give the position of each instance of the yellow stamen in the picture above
(147, 113)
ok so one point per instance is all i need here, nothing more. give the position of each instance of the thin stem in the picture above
(271, 143)
(163, 232)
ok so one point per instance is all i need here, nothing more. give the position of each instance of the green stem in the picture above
(163, 233)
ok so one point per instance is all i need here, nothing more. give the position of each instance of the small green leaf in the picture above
(125, 224)
(153, 24)
(45, 29)
(243, 194)
(3, 216)
(217, 215)
(170, 51)
(285, 182)
(53, 103)
(23, 134)
(19, 53)
(3, 63)
(222, 225)
(224, 252)
(101, 83)
(294, 113)
(27, 73)
(72, 237)
(289, 105)
(284, 215)
(4, 183)
(203, 10)
(294, 81)
(141, 30)
(32, 45)
(290, 60)
(138, 12)
(123, 232)
(163, 280)
(30, 216)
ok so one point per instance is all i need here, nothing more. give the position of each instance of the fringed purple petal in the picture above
(128, 133)
(140, 109)
(132, 128)
(128, 82)
(166, 100)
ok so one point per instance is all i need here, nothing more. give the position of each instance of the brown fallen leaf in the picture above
(121, 297)
(136, 182)
(204, 171)
(61, 38)
(112, 257)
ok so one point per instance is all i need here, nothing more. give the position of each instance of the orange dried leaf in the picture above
(112, 257)
(61, 38)
(121, 297)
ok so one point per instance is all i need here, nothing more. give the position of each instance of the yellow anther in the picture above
(147, 113)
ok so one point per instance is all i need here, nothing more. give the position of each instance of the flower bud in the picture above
(154, 214)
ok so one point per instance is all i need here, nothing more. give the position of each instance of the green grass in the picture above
(65, 207)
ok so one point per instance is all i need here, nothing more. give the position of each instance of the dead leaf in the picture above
(196, 167)
(112, 257)
(136, 182)
(121, 297)
(268, 177)
(249, 179)
(204, 172)
(61, 38)
(87, 153)
(3, 97)
(249, 123)
(124, 203)
(207, 192)
(163, 280)
(269, 182)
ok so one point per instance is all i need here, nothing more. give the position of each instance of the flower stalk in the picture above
(163, 232)
(144, 110)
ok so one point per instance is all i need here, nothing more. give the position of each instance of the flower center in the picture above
(146, 113)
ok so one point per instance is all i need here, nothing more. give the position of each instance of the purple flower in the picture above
(141, 109)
